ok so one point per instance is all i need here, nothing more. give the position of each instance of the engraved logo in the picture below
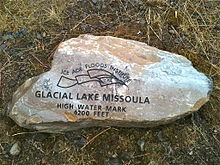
(103, 77)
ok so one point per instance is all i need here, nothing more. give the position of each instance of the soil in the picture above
(29, 34)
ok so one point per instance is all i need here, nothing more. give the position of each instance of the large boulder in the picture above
(108, 81)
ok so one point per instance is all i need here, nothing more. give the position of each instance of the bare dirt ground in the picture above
(30, 32)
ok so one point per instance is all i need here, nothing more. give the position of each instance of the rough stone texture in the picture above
(123, 83)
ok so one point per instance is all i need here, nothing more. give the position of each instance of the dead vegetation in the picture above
(30, 32)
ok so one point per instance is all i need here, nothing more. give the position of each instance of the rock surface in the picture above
(108, 81)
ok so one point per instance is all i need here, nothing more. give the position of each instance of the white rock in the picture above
(15, 149)
(115, 82)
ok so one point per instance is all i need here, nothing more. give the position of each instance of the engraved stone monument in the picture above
(108, 81)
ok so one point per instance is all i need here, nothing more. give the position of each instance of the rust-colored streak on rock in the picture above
(199, 103)
(129, 52)
(70, 116)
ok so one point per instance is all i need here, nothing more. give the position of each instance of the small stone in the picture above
(12, 83)
(15, 149)
(4, 152)
(9, 106)
(179, 40)
(126, 19)
(142, 21)
(6, 155)
(80, 141)
(94, 1)
(16, 34)
(3, 47)
(217, 27)
(114, 161)
(17, 75)
(172, 31)
(21, 33)
(170, 150)
(22, 68)
(140, 33)
(110, 25)
(22, 76)
(12, 52)
(125, 156)
(191, 153)
(215, 60)
(44, 34)
(109, 81)
(207, 5)
(141, 144)
(198, 119)
(8, 37)
(39, 36)
(24, 31)
(160, 136)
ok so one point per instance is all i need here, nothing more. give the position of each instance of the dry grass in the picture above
(187, 27)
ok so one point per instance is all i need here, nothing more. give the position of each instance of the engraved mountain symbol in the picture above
(101, 76)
